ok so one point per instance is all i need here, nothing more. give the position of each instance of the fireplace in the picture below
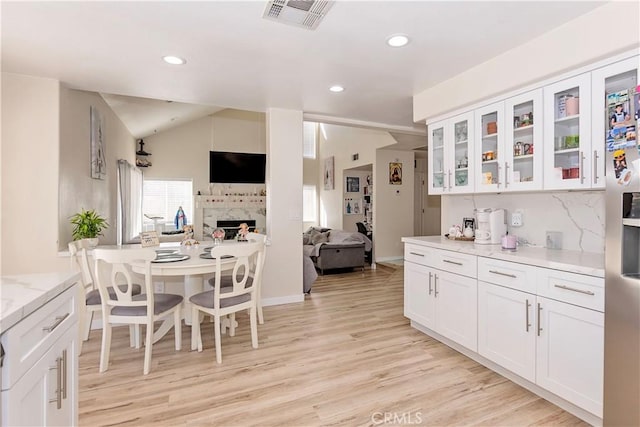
(230, 226)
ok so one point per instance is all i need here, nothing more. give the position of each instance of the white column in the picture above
(283, 267)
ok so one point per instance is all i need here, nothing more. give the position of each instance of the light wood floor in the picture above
(344, 357)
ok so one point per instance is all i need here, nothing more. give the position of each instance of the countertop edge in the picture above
(587, 263)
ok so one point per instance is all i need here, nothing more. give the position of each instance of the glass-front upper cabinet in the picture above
(489, 160)
(567, 134)
(615, 119)
(523, 142)
(450, 143)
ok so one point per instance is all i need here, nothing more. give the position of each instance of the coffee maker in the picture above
(491, 226)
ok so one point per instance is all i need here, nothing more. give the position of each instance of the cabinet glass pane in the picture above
(620, 115)
(567, 133)
(523, 142)
(438, 157)
(461, 153)
(489, 148)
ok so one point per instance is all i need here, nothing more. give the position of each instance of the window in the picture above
(163, 198)
(309, 204)
(309, 140)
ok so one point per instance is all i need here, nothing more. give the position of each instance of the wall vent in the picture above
(301, 13)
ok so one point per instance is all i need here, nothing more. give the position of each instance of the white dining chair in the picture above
(226, 276)
(90, 301)
(126, 308)
(241, 295)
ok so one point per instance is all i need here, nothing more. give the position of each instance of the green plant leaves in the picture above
(88, 224)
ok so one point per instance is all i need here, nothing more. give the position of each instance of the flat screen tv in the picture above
(236, 168)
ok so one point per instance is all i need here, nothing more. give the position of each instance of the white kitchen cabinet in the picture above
(570, 353)
(506, 328)
(439, 299)
(40, 371)
(490, 159)
(567, 134)
(611, 85)
(450, 149)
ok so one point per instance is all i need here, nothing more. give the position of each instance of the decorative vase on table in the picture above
(93, 242)
(218, 236)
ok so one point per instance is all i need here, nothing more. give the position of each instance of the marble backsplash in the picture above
(580, 216)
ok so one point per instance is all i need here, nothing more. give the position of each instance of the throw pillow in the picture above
(320, 238)
(305, 239)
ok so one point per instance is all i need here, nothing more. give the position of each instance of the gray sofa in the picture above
(335, 249)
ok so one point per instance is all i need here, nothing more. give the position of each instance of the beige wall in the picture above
(283, 269)
(77, 189)
(392, 204)
(588, 38)
(239, 131)
(30, 136)
(311, 176)
(349, 221)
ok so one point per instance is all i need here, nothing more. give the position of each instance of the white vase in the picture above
(93, 242)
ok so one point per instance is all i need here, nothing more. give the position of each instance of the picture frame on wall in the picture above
(98, 162)
(353, 184)
(395, 173)
(353, 206)
(328, 174)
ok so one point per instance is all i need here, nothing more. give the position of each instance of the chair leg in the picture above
(106, 344)
(148, 343)
(132, 336)
(196, 339)
(259, 300)
(217, 337)
(177, 325)
(254, 327)
(232, 324)
(86, 327)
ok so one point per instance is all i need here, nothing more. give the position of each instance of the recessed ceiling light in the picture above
(336, 88)
(397, 40)
(174, 60)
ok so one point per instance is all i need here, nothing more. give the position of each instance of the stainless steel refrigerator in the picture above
(622, 256)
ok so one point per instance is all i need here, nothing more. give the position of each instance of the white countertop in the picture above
(588, 263)
(21, 295)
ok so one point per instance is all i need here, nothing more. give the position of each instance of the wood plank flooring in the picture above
(346, 356)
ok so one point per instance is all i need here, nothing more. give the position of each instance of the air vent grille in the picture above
(301, 13)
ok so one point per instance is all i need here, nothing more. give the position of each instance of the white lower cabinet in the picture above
(570, 353)
(506, 328)
(419, 302)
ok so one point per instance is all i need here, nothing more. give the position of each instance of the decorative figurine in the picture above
(243, 230)
(188, 239)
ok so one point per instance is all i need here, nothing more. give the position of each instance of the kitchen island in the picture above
(534, 315)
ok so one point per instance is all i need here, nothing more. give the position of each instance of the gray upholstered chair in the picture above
(126, 308)
(225, 301)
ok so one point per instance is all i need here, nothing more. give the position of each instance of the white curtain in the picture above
(129, 202)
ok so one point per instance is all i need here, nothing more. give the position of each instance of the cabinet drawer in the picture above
(578, 289)
(455, 262)
(28, 340)
(418, 254)
(510, 274)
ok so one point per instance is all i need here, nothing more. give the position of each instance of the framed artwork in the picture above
(329, 183)
(353, 206)
(353, 184)
(395, 173)
(98, 163)
(149, 238)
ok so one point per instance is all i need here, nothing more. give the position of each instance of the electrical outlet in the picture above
(516, 219)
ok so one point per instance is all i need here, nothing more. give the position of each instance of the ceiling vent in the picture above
(301, 13)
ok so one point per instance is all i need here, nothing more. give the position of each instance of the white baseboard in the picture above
(389, 258)
(289, 299)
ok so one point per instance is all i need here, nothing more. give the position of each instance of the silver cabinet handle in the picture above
(435, 282)
(581, 167)
(430, 290)
(499, 168)
(539, 327)
(569, 288)
(451, 262)
(503, 274)
(506, 174)
(527, 315)
(59, 320)
(64, 374)
(449, 179)
(595, 166)
(58, 368)
(416, 254)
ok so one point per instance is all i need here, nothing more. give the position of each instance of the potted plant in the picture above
(88, 225)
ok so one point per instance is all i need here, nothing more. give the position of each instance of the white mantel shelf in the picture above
(588, 263)
(21, 295)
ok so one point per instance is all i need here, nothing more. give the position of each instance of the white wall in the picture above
(77, 189)
(283, 269)
(30, 136)
(349, 221)
(342, 142)
(588, 38)
(311, 173)
(579, 215)
(392, 204)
